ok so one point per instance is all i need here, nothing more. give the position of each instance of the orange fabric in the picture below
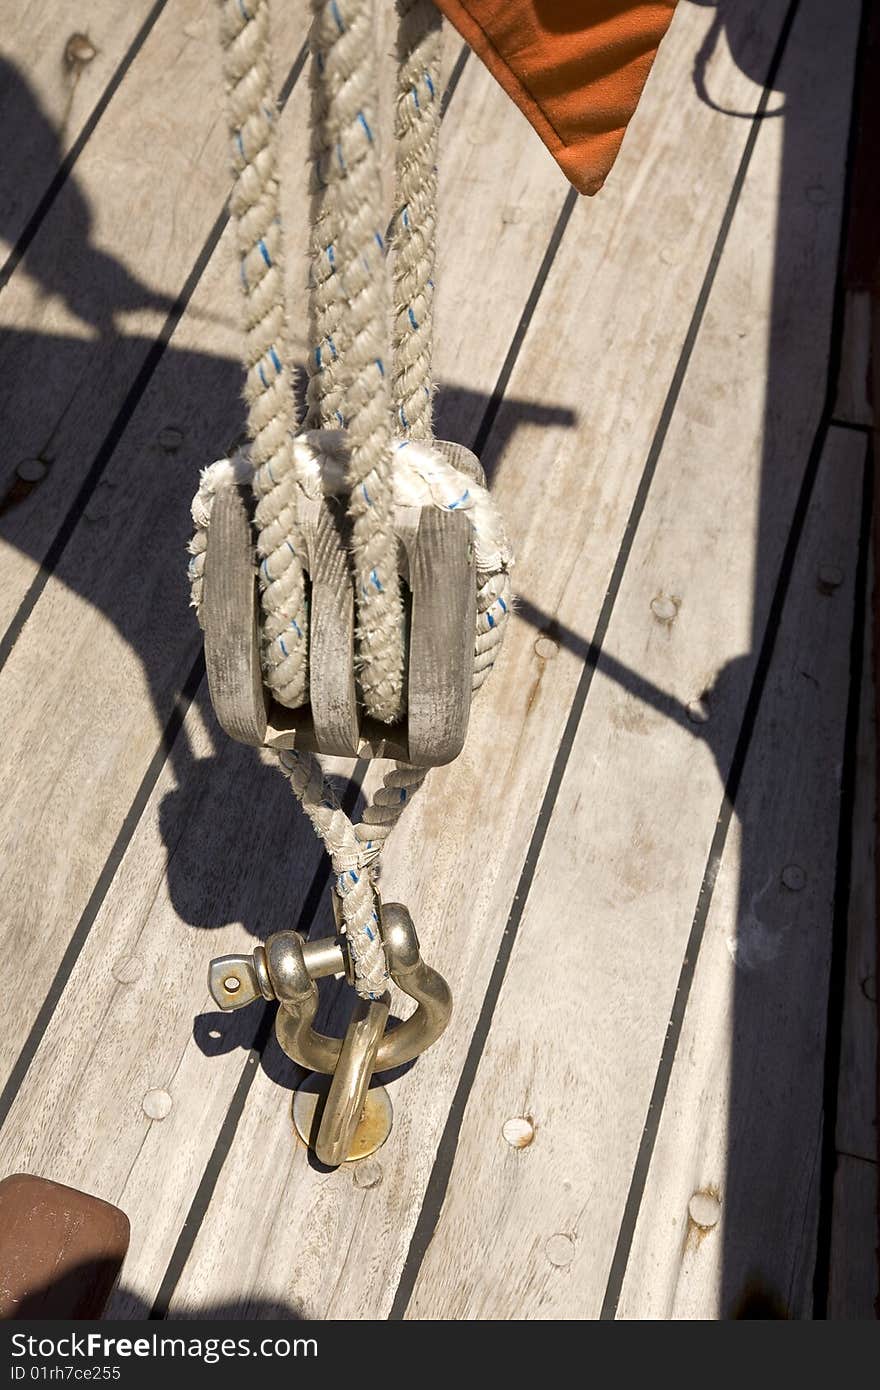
(575, 68)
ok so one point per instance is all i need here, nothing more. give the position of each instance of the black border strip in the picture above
(62, 173)
(438, 1182)
(842, 886)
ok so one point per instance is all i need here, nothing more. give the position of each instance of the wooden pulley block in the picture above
(436, 565)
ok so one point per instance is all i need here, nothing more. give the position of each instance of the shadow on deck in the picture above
(211, 790)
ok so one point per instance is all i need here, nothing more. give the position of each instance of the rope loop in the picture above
(349, 305)
(254, 211)
(369, 374)
(421, 477)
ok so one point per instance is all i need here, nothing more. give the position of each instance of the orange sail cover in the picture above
(575, 68)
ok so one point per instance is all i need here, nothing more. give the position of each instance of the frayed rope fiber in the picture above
(421, 477)
(368, 428)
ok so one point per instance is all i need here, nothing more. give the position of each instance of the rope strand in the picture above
(417, 132)
(366, 361)
(422, 477)
(253, 208)
(349, 363)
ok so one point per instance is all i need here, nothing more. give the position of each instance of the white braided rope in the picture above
(253, 205)
(350, 310)
(349, 389)
(353, 851)
(417, 132)
(421, 477)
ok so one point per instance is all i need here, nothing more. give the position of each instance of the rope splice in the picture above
(366, 438)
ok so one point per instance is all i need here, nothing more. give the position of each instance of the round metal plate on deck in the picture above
(373, 1128)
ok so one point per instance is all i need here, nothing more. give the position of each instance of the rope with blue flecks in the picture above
(422, 477)
(348, 382)
(349, 386)
(349, 389)
(254, 211)
(413, 240)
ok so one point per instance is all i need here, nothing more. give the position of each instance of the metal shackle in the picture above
(287, 967)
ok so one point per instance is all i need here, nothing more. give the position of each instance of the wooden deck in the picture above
(648, 879)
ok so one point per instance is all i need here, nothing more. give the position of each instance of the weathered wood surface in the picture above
(118, 736)
(56, 68)
(89, 311)
(854, 1274)
(114, 613)
(229, 616)
(122, 1094)
(854, 1289)
(742, 1119)
(853, 403)
(436, 558)
(513, 738)
(100, 277)
(857, 1096)
(441, 645)
(630, 833)
(111, 613)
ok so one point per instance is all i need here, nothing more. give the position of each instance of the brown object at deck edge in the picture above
(60, 1250)
(575, 68)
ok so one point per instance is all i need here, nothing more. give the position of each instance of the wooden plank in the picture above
(743, 1115)
(56, 65)
(101, 278)
(853, 401)
(332, 692)
(630, 832)
(154, 630)
(137, 1054)
(122, 641)
(334, 1248)
(857, 1094)
(529, 717)
(229, 617)
(441, 645)
(854, 1291)
(853, 1287)
(115, 621)
(82, 312)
